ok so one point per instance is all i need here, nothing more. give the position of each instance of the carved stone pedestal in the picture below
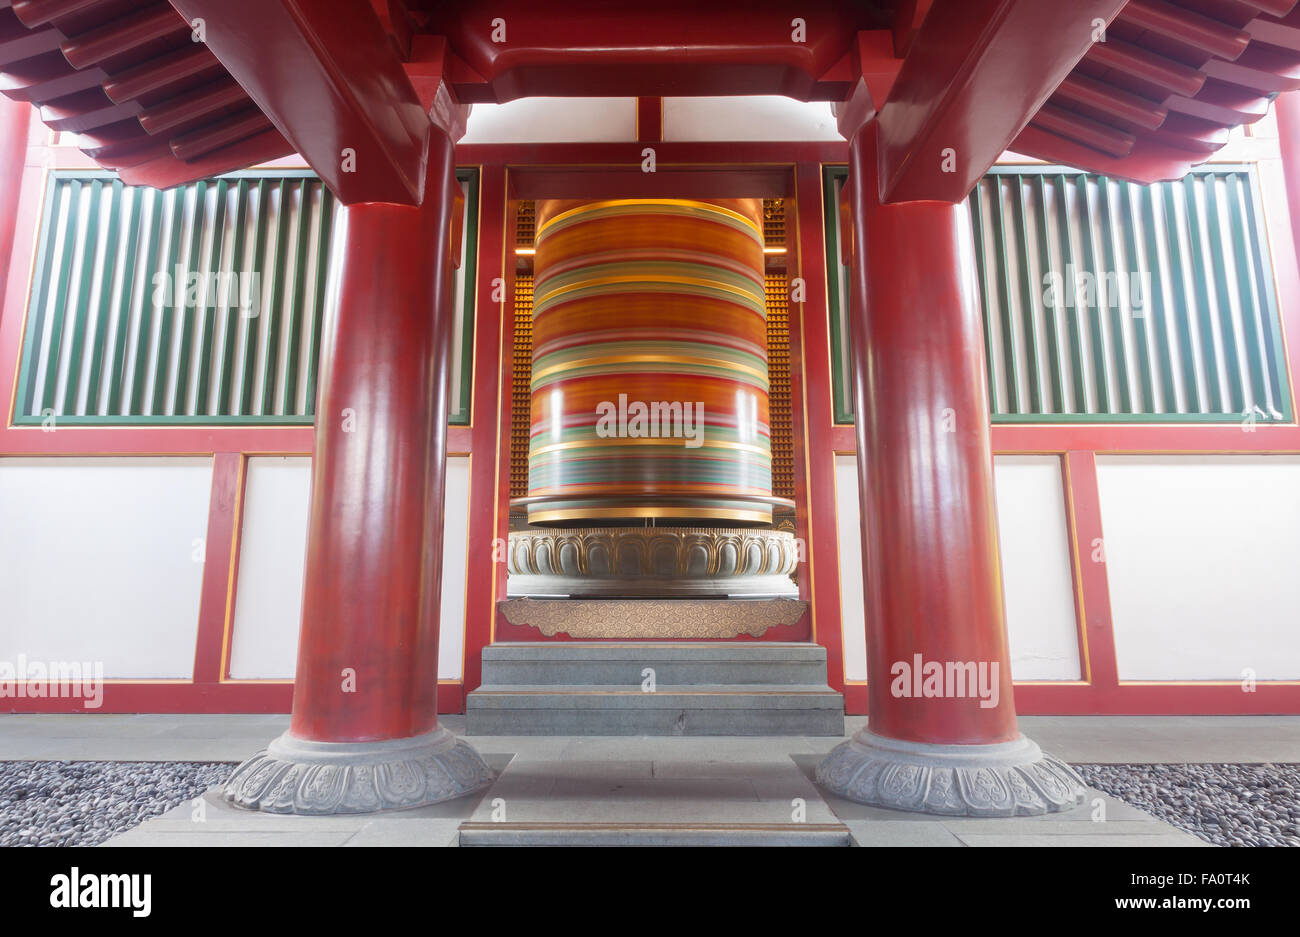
(713, 619)
(1008, 779)
(652, 562)
(324, 778)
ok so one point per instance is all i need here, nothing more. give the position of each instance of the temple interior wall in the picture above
(1199, 548)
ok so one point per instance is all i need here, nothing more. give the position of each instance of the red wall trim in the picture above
(649, 120)
(615, 154)
(491, 404)
(819, 575)
(171, 696)
(505, 372)
(220, 567)
(1165, 438)
(1157, 699)
(1092, 588)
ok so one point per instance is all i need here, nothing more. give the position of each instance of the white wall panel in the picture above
(553, 120)
(455, 543)
(101, 560)
(1035, 567)
(268, 604)
(1038, 585)
(272, 554)
(752, 117)
(848, 530)
(1202, 555)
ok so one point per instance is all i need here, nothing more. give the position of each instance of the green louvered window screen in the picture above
(1106, 301)
(199, 304)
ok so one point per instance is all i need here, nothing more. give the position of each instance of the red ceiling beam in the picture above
(1093, 133)
(907, 23)
(628, 181)
(1263, 69)
(17, 42)
(1151, 159)
(1186, 28)
(1282, 32)
(1127, 65)
(163, 169)
(1208, 64)
(35, 13)
(123, 37)
(1097, 97)
(77, 113)
(215, 136)
(1191, 135)
(45, 78)
(977, 72)
(514, 48)
(214, 98)
(1272, 7)
(1221, 103)
(876, 68)
(120, 144)
(329, 78)
(168, 72)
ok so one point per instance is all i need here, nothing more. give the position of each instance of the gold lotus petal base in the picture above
(652, 562)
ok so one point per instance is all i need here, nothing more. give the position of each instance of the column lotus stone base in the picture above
(1007, 779)
(324, 778)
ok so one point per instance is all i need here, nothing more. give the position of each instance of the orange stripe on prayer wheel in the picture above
(649, 382)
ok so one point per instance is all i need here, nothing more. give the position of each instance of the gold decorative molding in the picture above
(676, 552)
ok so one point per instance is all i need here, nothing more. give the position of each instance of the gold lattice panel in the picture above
(778, 376)
(774, 222)
(520, 393)
(527, 226)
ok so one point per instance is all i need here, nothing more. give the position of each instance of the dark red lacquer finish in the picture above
(925, 465)
(371, 589)
(14, 118)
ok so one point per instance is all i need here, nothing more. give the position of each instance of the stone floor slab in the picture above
(407, 831)
(749, 783)
(1106, 842)
(174, 838)
(903, 833)
(646, 834)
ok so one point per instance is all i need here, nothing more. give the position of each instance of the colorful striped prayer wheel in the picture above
(649, 385)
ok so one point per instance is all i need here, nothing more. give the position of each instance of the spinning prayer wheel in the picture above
(649, 383)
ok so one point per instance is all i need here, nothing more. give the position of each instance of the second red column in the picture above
(365, 734)
(942, 735)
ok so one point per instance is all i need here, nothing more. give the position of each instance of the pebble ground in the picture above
(1227, 805)
(84, 803)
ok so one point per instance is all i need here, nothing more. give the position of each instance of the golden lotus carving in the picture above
(652, 561)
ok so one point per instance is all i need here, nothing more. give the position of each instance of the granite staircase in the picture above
(683, 688)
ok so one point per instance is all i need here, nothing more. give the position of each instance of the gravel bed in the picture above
(84, 803)
(1226, 805)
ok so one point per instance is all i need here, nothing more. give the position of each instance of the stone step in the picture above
(654, 834)
(697, 709)
(681, 663)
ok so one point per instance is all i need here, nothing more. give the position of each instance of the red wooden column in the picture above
(1287, 109)
(15, 118)
(365, 734)
(942, 736)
